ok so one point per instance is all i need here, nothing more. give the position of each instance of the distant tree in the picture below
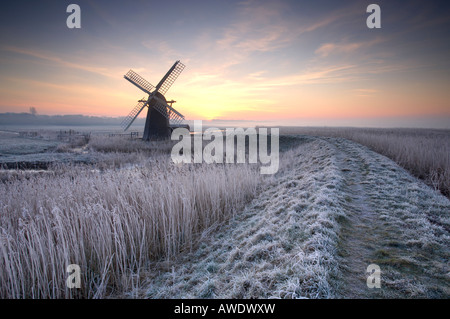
(33, 110)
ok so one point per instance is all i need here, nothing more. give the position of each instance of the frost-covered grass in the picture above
(40, 148)
(395, 221)
(283, 245)
(333, 208)
(111, 222)
(423, 152)
(16, 145)
(126, 145)
(142, 227)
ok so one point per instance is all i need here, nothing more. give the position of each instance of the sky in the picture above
(272, 62)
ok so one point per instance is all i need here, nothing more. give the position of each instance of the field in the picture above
(423, 152)
(140, 226)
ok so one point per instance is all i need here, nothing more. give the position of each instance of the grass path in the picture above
(395, 221)
(358, 232)
(333, 208)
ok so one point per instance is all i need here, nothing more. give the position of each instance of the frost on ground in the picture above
(333, 208)
(393, 220)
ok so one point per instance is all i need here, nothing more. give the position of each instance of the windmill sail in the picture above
(170, 77)
(139, 81)
(169, 112)
(129, 119)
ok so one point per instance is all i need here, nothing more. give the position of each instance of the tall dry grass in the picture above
(423, 152)
(110, 223)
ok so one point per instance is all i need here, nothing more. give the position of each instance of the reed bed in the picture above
(112, 223)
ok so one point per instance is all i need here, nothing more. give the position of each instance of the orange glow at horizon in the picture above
(258, 61)
(236, 99)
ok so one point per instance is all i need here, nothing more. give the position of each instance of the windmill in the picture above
(161, 117)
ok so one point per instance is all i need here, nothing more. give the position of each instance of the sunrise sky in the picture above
(284, 62)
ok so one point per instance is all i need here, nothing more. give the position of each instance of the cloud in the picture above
(317, 75)
(327, 49)
(366, 92)
(104, 71)
(163, 48)
(262, 29)
(257, 75)
(256, 27)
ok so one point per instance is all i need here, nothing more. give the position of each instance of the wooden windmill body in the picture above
(161, 117)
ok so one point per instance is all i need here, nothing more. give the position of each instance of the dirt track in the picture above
(334, 208)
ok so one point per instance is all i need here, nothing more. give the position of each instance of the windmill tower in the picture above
(161, 117)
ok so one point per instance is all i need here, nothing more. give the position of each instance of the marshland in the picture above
(140, 226)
